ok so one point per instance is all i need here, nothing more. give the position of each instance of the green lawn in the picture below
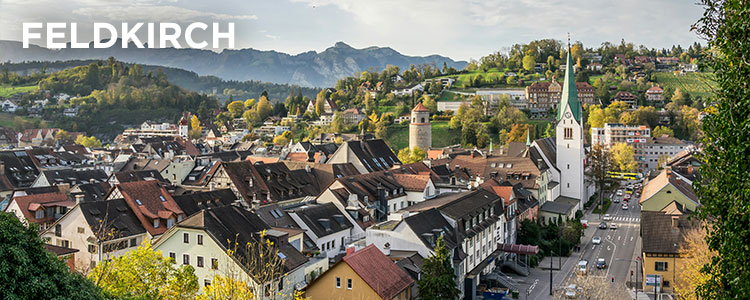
(7, 90)
(697, 84)
(6, 119)
(442, 135)
(386, 108)
(462, 79)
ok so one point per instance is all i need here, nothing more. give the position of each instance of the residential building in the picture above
(663, 233)
(326, 226)
(70, 177)
(666, 188)
(367, 155)
(685, 165)
(363, 274)
(153, 129)
(9, 105)
(353, 115)
(636, 136)
(627, 97)
(409, 90)
(547, 95)
(42, 209)
(655, 94)
(660, 149)
(204, 241)
(151, 203)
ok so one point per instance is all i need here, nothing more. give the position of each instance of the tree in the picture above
(263, 108)
(601, 164)
(430, 103)
(661, 130)
(145, 274)
(236, 108)
(320, 100)
(226, 288)
(29, 271)
(407, 156)
(438, 278)
(63, 137)
(88, 142)
(549, 131)
(456, 120)
(623, 156)
(195, 128)
(694, 254)
(249, 103)
(529, 61)
(724, 190)
(518, 133)
(681, 98)
(283, 139)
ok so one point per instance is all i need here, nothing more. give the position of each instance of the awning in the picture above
(518, 249)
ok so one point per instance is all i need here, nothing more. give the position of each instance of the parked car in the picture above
(596, 240)
(583, 267)
(601, 263)
(625, 206)
(607, 217)
(603, 225)
(617, 200)
(613, 226)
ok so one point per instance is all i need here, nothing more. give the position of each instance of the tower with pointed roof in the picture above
(569, 137)
(420, 129)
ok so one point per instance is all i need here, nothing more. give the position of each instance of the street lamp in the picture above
(637, 261)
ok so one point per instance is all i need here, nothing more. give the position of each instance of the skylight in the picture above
(138, 202)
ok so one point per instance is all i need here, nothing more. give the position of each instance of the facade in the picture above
(655, 94)
(547, 95)
(353, 116)
(151, 129)
(663, 234)
(665, 189)
(366, 155)
(420, 129)
(626, 97)
(660, 149)
(637, 136)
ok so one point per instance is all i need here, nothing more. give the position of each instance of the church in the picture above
(566, 186)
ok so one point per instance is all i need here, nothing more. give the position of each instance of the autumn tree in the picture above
(407, 156)
(226, 288)
(623, 156)
(320, 100)
(661, 130)
(249, 103)
(438, 279)
(145, 274)
(595, 287)
(518, 133)
(724, 190)
(598, 170)
(429, 103)
(88, 142)
(29, 271)
(236, 108)
(195, 128)
(284, 138)
(694, 254)
(63, 137)
(529, 61)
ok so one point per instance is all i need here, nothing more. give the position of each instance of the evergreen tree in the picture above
(438, 278)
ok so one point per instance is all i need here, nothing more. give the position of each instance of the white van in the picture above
(583, 267)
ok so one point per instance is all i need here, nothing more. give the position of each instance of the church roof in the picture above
(569, 93)
(420, 107)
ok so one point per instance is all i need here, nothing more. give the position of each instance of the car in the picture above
(571, 291)
(583, 267)
(607, 217)
(613, 226)
(603, 225)
(627, 197)
(601, 263)
(619, 192)
(617, 200)
(625, 206)
(596, 240)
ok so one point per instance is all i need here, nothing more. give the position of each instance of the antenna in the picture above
(568, 40)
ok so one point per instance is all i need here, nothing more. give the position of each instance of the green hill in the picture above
(695, 83)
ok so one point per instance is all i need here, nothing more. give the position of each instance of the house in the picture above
(63, 253)
(408, 91)
(367, 156)
(329, 106)
(9, 105)
(594, 66)
(666, 188)
(8, 138)
(363, 274)
(685, 165)
(70, 112)
(70, 177)
(318, 153)
(655, 94)
(206, 241)
(626, 97)
(353, 115)
(17, 171)
(402, 118)
(546, 94)
(510, 206)
(99, 230)
(193, 202)
(41, 209)
(326, 225)
(151, 203)
(37, 137)
(660, 149)
(663, 233)
(139, 175)
(325, 119)
(668, 60)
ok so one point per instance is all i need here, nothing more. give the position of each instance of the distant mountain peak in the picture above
(341, 44)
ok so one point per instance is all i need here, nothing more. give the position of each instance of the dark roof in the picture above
(59, 251)
(471, 203)
(558, 207)
(92, 191)
(275, 216)
(235, 224)
(20, 170)
(659, 234)
(139, 175)
(379, 272)
(135, 164)
(273, 179)
(150, 201)
(549, 149)
(412, 265)
(375, 154)
(194, 202)
(115, 214)
(322, 219)
(427, 222)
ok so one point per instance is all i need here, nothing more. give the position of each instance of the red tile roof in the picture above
(149, 194)
(504, 192)
(31, 203)
(420, 107)
(412, 182)
(379, 272)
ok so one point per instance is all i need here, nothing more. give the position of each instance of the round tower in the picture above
(420, 129)
(183, 126)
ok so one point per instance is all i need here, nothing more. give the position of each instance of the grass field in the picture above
(463, 79)
(442, 135)
(697, 84)
(7, 91)
(6, 119)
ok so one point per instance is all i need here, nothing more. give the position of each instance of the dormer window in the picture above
(170, 222)
(40, 214)
(156, 223)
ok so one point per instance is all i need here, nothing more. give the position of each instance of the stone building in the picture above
(420, 129)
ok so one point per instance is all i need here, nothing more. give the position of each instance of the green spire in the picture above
(569, 93)
(528, 139)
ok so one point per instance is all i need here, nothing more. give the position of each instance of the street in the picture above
(619, 248)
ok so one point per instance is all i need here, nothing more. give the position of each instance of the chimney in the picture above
(350, 250)
(472, 153)
(689, 170)
(2, 168)
(381, 201)
(79, 198)
(92, 180)
(675, 222)
(669, 172)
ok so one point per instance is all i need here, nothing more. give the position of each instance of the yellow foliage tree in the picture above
(195, 128)
(624, 157)
(88, 142)
(226, 288)
(145, 274)
(236, 108)
(249, 103)
(407, 156)
(695, 254)
(518, 133)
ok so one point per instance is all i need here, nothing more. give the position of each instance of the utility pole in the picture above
(550, 274)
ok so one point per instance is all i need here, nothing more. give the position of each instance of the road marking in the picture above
(631, 238)
(618, 237)
(592, 247)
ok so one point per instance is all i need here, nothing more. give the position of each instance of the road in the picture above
(619, 247)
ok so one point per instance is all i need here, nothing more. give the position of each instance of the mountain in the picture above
(310, 69)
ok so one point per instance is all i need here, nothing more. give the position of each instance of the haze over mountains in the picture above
(310, 69)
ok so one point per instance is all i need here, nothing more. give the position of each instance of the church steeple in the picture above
(569, 97)
(528, 139)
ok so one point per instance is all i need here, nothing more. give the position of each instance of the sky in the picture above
(460, 29)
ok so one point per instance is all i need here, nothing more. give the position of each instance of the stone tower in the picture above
(183, 126)
(569, 138)
(420, 129)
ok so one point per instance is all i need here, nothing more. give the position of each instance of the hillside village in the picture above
(491, 163)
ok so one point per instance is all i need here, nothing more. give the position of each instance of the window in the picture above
(338, 282)
(200, 262)
(80, 230)
(568, 166)
(40, 214)
(348, 283)
(207, 282)
(186, 238)
(568, 133)
(58, 230)
(64, 243)
(200, 239)
(133, 242)
(661, 266)
(665, 284)
(170, 222)
(214, 264)
(173, 257)
(156, 223)
(185, 259)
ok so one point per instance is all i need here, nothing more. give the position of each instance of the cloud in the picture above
(154, 13)
(273, 37)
